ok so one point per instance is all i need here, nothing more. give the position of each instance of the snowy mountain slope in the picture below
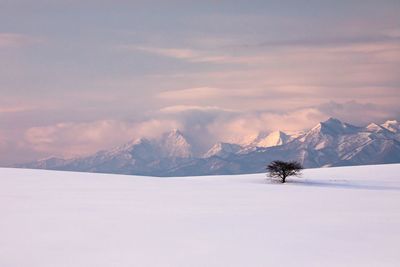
(392, 125)
(338, 144)
(223, 150)
(330, 143)
(264, 140)
(344, 216)
(276, 138)
(174, 145)
(141, 157)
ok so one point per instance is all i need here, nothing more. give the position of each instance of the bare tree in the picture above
(282, 170)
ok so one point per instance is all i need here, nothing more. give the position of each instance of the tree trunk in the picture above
(283, 179)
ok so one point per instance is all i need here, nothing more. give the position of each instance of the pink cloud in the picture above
(205, 124)
(184, 108)
(2, 140)
(12, 40)
(191, 55)
(73, 139)
(246, 126)
(14, 109)
(192, 93)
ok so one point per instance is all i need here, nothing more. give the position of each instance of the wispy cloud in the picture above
(168, 52)
(189, 55)
(393, 33)
(12, 40)
(192, 93)
(388, 36)
(241, 94)
(185, 108)
(15, 109)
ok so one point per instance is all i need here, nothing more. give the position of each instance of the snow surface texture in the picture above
(347, 216)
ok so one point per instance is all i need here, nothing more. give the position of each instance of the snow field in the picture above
(347, 216)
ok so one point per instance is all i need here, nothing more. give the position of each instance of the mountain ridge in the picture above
(329, 143)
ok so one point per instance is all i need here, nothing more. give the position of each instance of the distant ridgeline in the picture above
(330, 143)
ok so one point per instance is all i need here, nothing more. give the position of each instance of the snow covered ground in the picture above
(331, 217)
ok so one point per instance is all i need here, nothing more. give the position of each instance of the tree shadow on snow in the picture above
(342, 184)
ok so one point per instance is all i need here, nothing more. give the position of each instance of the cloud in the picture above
(208, 125)
(204, 93)
(189, 55)
(13, 40)
(390, 36)
(245, 127)
(203, 126)
(213, 124)
(185, 108)
(15, 109)
(358, 113)
(12, 150)
(2, 139)
(192, 93)
(168, 52)
(212, 74)
(393, 33)
(74, 139)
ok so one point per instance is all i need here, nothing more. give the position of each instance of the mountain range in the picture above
(330, 143)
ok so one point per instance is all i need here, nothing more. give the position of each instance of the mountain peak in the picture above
(373, 126)
(176, 131)
(278, 133)
(332, 121)
(275, 138)
(334, 126)
(392, 125)
(173, 133)
(174, 144)
(136, 144)
(140, 140)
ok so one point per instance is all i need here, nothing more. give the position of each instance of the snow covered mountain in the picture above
(330, 143)
(175, 145)
(141, 156)
(392, 125)
(276, 138)
(223, 150)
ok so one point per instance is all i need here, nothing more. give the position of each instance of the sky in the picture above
(80, 76)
